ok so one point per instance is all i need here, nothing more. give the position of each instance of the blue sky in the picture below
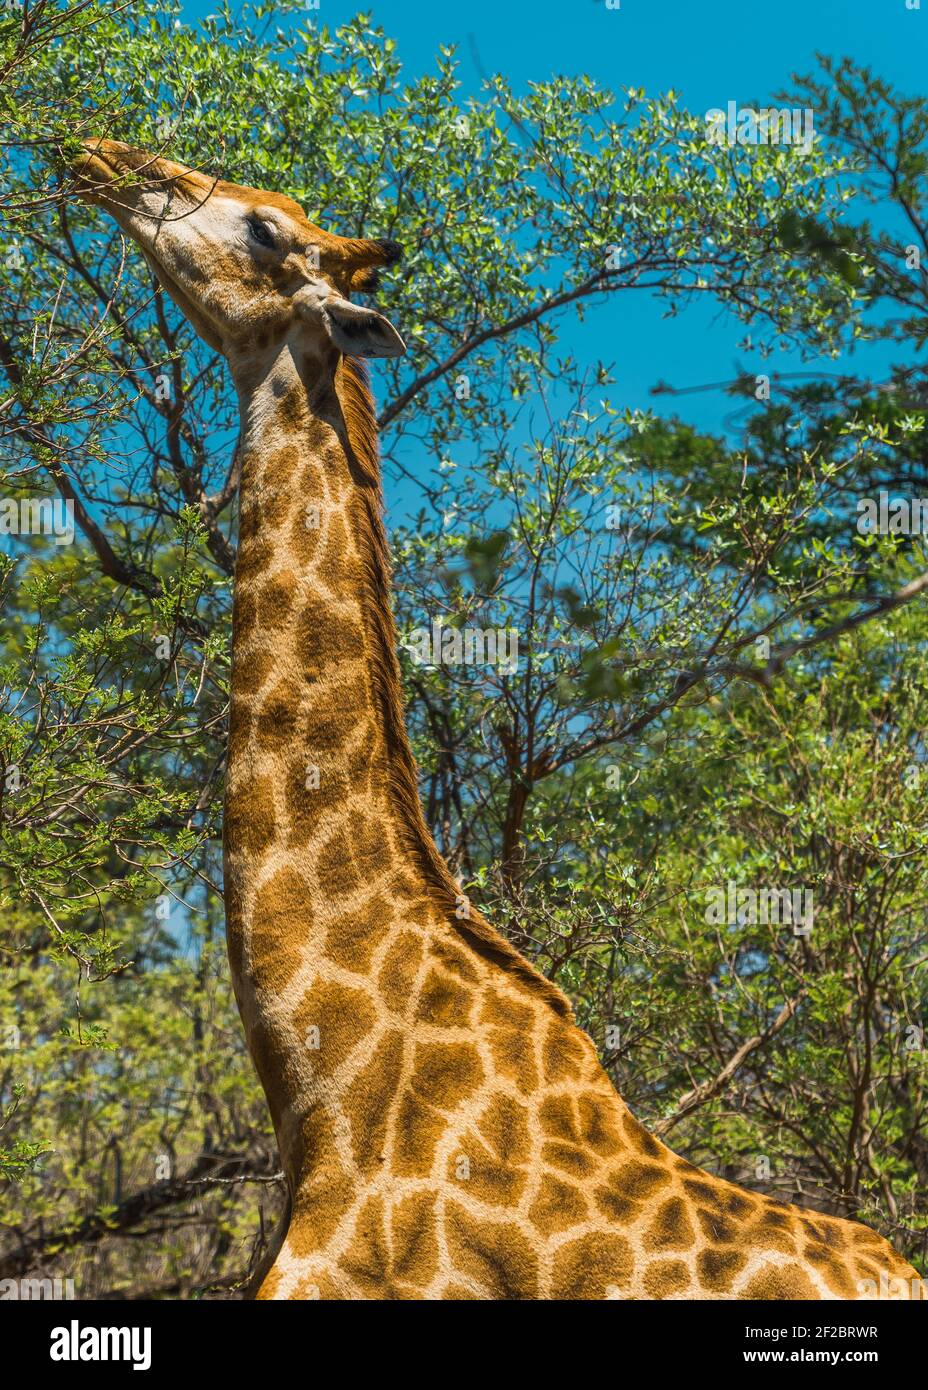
(710, 53)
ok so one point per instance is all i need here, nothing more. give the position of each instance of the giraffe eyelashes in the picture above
(261, 233)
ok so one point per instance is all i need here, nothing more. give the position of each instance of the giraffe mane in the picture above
(352, 385)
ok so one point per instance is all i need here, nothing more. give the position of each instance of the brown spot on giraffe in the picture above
(446, 1074)
(277, 600)
(558, 1206)
(324, 1190)
(284, 893)
(333, 1020)
(717, 1268)
(484, 1177)
(335, 864)
(562, 1054)
(254, 667)
(598, 1128)
(277, 722)
(354, 936)
(251, 817)
(398, 972)
(444, 1002)
(419, 1127)
(497, 1255)
(569, 1159)
(667, 1279)
(558, 1118)
(593, 1267)
(504, 1124)
(671, 1228)
(367, 1101)
(786, 1282)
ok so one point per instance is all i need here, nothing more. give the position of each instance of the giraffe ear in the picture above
(360, 332)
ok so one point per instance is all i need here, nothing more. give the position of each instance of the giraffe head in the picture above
(246, 267)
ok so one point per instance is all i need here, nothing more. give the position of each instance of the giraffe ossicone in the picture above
(446, 1130)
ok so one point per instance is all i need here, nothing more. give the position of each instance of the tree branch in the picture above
(709, 1089)
(209, 1171)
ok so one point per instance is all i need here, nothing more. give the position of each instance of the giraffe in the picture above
(445, 1129)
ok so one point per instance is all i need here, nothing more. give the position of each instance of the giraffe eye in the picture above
(261, 233)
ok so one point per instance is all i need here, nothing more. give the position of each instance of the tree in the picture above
(675, 598)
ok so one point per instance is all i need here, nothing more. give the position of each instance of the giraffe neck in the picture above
(445, 1129)
(326, 850)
